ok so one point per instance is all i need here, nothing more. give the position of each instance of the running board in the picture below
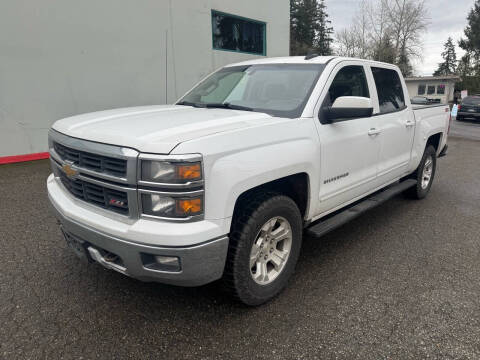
(343, 216)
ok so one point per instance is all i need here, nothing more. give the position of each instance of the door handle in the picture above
(410, 123)
(373, 132)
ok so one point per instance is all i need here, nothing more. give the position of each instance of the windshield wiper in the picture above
(228, 106)
(188, 103)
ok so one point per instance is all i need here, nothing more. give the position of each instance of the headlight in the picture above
(171, 207)
(170, 172)
(171, 186)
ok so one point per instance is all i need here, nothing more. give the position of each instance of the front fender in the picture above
(241, 160)
(234, 174)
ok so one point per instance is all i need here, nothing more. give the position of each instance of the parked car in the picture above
(423, 100)
(223, 184)
(470, 108)
(420, 100)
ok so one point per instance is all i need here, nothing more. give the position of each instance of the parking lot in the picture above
(400, 282)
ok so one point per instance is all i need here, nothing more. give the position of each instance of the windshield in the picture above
(276, 89)
(471, 100)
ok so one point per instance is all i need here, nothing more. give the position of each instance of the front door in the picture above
(350, 148)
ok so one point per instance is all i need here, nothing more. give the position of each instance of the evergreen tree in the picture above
(385, 50)
(471, 43)
(324, 39)
(449, 65)
(470, 63)
(310, 29)
(404, 63)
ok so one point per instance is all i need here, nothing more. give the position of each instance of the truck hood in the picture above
(156, 129)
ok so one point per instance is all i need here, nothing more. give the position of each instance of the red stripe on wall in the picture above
(21, 158)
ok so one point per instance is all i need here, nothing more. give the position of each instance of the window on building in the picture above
(349, 81)
(421, 89)
(234, 33)
(431, 90)
(389, 89)
(441, 89)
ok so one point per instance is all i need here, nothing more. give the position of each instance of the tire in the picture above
(429, 160)
(260, 218)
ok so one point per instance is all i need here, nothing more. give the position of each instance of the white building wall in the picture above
(412, 86)
(64, 57)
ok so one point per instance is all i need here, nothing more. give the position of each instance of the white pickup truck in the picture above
(223, 184)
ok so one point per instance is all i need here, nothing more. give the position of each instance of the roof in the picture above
(430, 78)
(301, 60)
(286, 60)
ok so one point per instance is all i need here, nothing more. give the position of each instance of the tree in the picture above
(355, 40)
(310, 29)
(385, 50)
(408, 21)
(386, 30)
(449, 65)
(323, 41)
(404, 63)
(469, 66)
(471, 43)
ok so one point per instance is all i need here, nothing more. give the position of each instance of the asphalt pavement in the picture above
(468, 129)
(400, 282)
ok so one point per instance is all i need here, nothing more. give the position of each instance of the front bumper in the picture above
(200, 264)
(202, 257)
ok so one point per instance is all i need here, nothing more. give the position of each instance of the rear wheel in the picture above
(264, 247)
(424, 174)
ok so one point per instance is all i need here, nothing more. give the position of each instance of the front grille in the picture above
(94, 162)
(106, 198)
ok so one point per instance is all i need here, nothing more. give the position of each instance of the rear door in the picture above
(349, 149)
(395, 122)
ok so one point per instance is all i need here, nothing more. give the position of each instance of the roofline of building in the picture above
(423, 78)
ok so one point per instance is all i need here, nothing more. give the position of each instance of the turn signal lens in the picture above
(189, 172)
(188, 207)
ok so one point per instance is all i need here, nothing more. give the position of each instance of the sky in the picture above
(446, 18)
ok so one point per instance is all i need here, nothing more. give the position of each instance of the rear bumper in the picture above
(200, 264)
(465, 115)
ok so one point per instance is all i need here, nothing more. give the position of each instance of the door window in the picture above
(389, 89)
(349, 81)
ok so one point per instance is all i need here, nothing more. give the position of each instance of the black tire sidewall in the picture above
(248, 290)
(421, 192)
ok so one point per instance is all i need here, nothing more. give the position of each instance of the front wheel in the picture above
(264, 247)
(424, 174)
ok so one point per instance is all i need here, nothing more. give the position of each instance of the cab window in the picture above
(389, 90)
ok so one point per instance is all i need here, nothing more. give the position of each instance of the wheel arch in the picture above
(435, 140)
(295, 186)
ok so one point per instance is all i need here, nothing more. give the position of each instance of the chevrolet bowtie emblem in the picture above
(67, 169)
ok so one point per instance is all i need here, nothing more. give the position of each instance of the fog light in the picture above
(161, 262)
(168, 263)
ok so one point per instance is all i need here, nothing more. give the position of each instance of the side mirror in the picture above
(348, 107)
